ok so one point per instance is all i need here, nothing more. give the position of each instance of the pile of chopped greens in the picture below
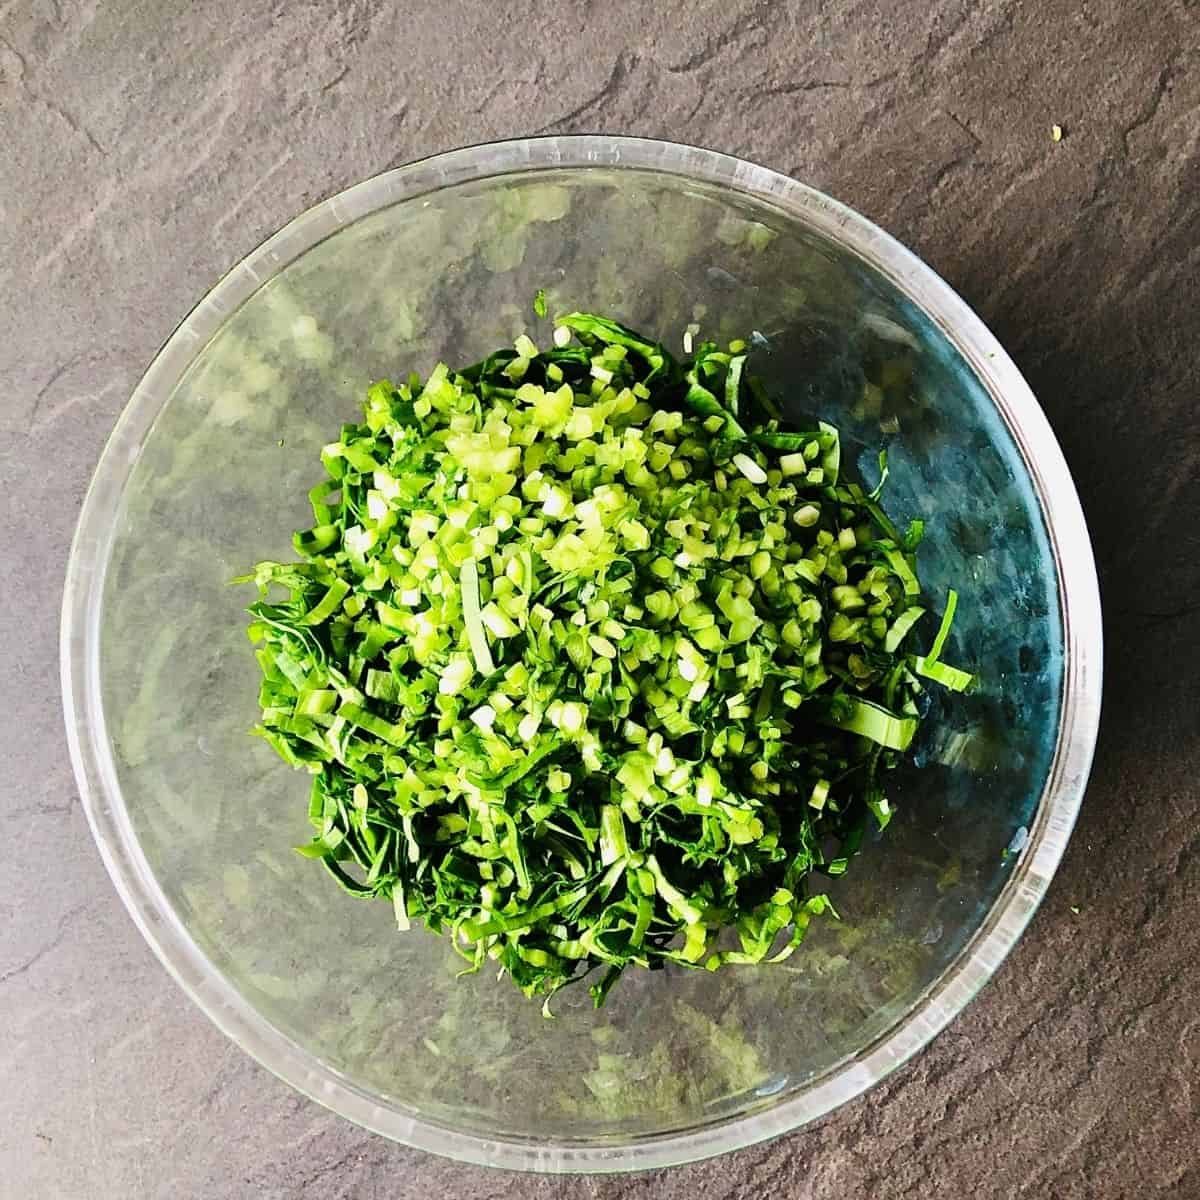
(593, 661)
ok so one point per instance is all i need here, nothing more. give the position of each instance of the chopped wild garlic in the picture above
(592, 660)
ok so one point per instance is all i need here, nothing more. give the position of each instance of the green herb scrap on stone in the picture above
(594, 663)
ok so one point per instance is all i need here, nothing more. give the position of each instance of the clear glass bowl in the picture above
(206, 472)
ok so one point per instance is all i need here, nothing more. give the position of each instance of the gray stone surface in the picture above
(146, 145)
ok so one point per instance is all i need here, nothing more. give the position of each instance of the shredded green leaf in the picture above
(940, 672)
(871, 721)
(472, 619)
(943, 632)
(594, 663)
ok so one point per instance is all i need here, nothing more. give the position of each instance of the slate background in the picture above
(146, 145)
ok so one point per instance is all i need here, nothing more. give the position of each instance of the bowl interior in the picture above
(220, 483)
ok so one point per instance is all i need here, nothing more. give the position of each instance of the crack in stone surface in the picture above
(623, 66)
(72, 122)
(36, 957)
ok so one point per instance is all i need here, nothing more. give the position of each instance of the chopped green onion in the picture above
(749, 468)
(593, 663)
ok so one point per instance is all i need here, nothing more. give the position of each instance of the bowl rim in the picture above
(945, 997)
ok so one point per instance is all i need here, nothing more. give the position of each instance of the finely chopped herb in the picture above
(593, 661)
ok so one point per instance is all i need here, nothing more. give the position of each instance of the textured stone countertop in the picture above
(147, 145)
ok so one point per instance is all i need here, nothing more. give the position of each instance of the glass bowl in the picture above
(207, 472)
